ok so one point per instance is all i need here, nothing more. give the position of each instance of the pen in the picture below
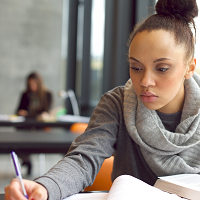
(18, 172)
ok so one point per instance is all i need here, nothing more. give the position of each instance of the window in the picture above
(97, 50)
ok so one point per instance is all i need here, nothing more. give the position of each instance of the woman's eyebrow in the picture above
(134, 59)
(157, 60)
(161, 59)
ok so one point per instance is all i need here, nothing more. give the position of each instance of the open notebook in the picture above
(126, 187)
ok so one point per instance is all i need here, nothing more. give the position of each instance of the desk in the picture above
(96, 192)
(1, 196)
(36, 141)
(34, 123)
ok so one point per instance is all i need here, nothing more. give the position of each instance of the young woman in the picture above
(34, 102)
(36, 99)
(151, 124)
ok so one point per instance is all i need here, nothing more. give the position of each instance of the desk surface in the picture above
(36, 141)
(33, 123)
(1, 196)
(66, 121)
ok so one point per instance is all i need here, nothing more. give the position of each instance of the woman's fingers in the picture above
(22, 112)
(34, 191)
(14, 191)
(38, 194)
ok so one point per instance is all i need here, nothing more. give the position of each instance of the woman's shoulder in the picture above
(115, 92)
(110, 105)
(114, 96)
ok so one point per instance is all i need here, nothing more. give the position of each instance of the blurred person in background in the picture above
(36, 101)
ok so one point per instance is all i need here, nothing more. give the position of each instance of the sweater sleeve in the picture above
(80, 166)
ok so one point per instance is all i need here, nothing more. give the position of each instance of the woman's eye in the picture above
(162, 69)
(136, 68)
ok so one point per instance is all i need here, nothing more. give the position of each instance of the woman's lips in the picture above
(148, 97)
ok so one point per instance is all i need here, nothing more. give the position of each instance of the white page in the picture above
(187, 180)
(126, 187)
(88, 196)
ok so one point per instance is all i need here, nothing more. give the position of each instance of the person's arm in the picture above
(23, 105)
(80, 166)
(34, 191)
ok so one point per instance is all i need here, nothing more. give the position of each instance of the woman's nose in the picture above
(147, 80)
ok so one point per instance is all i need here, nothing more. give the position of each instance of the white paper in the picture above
(126, 187)
(73, 118)
(88, 196)
(187, 180)
(12, 118)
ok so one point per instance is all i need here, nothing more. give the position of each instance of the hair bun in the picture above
(181, 9)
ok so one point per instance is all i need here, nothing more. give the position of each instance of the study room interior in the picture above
(79, 47)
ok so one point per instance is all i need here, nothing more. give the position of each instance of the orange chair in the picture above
(103, 179)
(78, 127)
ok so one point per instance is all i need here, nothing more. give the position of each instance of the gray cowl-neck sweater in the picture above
(106, 135)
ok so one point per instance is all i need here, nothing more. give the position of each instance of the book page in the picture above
(129, 188)
(88, 196)
(187, 180)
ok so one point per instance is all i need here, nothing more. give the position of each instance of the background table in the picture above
(65, 122)
(1, 196)
(26, 141)
(33, 123)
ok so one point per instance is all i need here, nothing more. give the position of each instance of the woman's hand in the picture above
(34, 191)
(22, 113)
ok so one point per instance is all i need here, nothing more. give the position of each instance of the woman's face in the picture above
(157, 70)
(32, 83)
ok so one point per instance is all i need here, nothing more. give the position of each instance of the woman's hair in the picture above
(41, 90)
(38, 79)
(175, 16)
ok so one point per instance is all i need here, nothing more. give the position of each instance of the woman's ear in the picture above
(190, 68)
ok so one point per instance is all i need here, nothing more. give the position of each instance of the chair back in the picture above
(103, 181)
(78, 127)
